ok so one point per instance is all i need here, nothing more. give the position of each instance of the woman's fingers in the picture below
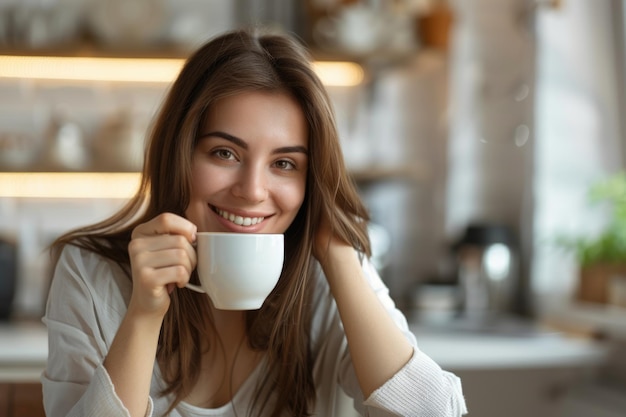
(167, 224)
(168, 250)
(153, 280)
(162, 257)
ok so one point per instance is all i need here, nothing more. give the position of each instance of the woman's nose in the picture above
(252, 184)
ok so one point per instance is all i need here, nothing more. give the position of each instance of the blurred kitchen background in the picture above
(473, 128)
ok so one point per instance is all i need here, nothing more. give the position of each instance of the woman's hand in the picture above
(326, 241)
(161, 256)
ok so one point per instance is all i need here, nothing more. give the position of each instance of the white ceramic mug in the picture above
(238, 270)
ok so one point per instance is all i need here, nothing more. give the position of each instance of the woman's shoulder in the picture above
(76, 256)
(81, 267)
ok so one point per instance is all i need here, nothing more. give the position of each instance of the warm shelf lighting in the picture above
(68, 184)
(339, 74)
(89, 69)
(142, 70)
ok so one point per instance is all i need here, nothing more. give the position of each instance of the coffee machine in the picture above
(487, 260)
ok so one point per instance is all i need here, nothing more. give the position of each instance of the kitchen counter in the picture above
(24, 349)
(484, 351)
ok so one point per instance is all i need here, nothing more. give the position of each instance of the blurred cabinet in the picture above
(4, 398)
(21, 400)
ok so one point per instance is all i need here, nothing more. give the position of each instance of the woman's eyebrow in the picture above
(234, 139)
(291, 149)
(243, 144)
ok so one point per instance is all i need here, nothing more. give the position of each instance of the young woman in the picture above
(245, 142)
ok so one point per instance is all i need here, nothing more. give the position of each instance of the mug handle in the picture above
(195, 288)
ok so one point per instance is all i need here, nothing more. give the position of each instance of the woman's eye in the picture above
(285, 165)
(223, 154)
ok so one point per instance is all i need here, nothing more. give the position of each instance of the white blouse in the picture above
(89, 296)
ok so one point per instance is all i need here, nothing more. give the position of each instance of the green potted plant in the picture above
(603, 257)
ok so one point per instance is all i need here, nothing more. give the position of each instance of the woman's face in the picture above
(249, 167)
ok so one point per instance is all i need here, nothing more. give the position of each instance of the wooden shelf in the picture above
(92, 50)
(379, 173)
(160, 51)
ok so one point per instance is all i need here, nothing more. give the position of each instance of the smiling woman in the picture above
(258, 168)
(245, 142)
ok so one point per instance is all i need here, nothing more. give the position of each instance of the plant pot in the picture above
(595, 282)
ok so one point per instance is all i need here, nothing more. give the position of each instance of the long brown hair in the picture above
(235, 62)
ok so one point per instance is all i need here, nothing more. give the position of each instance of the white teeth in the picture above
(239, 220)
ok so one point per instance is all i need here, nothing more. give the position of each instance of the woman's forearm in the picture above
(378, 347)
(130, 360)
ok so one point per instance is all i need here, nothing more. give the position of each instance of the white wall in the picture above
(578, 139)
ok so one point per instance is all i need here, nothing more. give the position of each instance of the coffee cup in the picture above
(238, 270)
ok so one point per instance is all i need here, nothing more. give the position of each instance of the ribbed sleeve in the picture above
(420, 389)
